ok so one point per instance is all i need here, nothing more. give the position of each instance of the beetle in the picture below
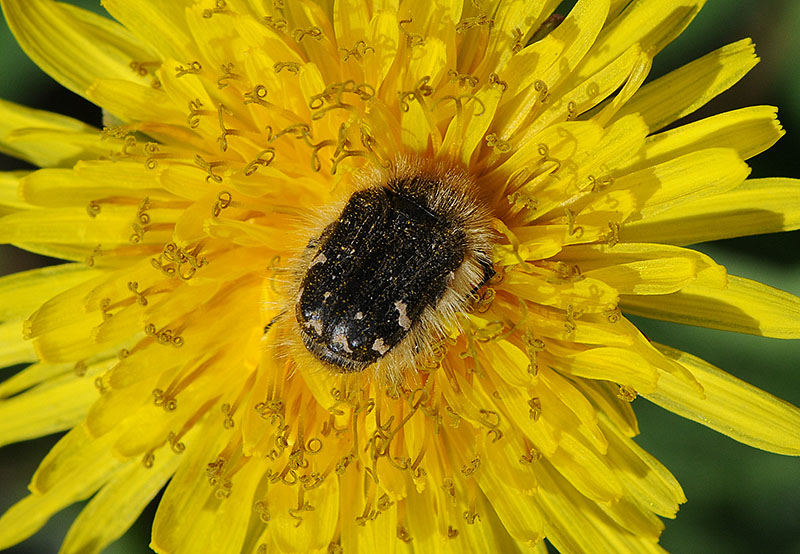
(404, 255)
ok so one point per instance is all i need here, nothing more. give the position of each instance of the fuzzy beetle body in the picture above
(399, 254)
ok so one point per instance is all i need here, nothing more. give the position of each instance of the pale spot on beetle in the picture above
(379, 347)
(403, 321)
(320, 259)
(359, 315)
(326, 295)
(315, 324)
(341, 340)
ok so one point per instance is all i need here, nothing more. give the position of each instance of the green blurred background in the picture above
(741, 500)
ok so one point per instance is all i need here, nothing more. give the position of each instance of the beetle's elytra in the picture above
(396, 254)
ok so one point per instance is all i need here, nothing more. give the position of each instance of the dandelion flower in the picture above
(350, 276)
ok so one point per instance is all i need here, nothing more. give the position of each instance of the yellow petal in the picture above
(51, 33)
(427, 60)
(72, 342)
(627, 70)
(563, 142)
(320, 53)
(516, 406)
(415, 128)
(228, 518)
(745, 306)
(520, 519)
(638, 74)
(536, 242)
(617, 6)
(651, 23)
(91, 181)
(476, 120)
(621, 140)
(582, 466)
(643, 476)
(503, 462)
(606, 397)
(379, 535)
(217, 40)
(74, 469)
(67, 458)
(56, 148)
(632, 516)
(113, 406)
(511, 16)
(14, 349)
(32, 375)
(675, 182)
(732, 407)
(588, 163)
(756, 206)
(574, 524)
(248, 233)
(384, 30)
(72, 252)
(149, 424)
(519, 73)
(310, 80)
(62, 328)
(612, 364)
(575, 402)
(43, 138)
(429, 21)
(188, 491)
(113, 225)
(350, 20)
(684, 90)
(644, 268)
(318, 526)
(577, 33)
(53, 406)
(117, 505)
(161, 25)
(749, 131)
(421, 510)
(131, 101)
(21, 293)
(66, 308)
(489, 535)
(585, 295)
(642, 346)
(9, 195)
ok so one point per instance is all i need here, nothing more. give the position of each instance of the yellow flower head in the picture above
(350, 276)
